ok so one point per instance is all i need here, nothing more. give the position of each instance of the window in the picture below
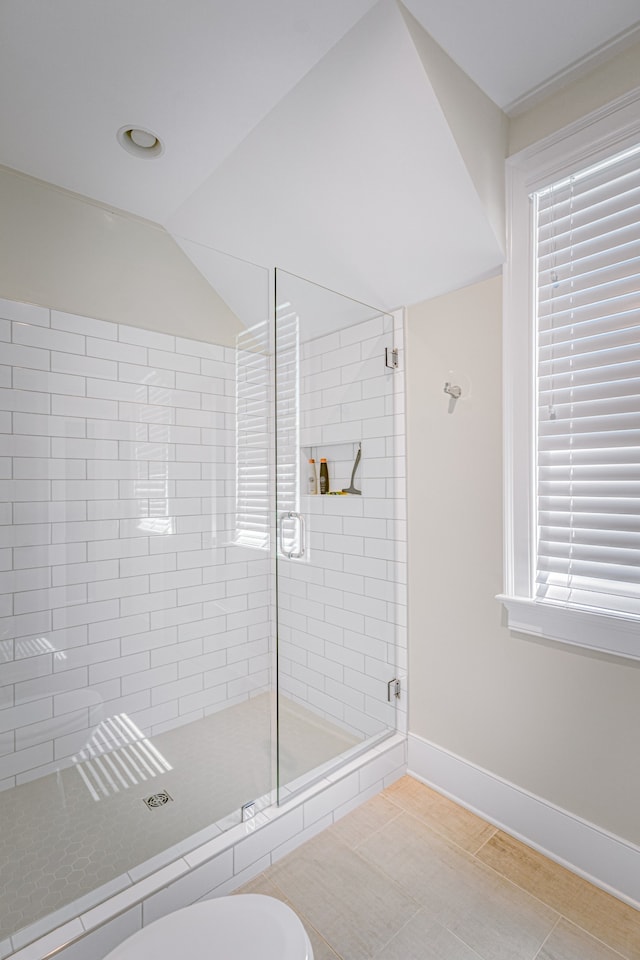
(572, 379)
(254, 427)
(253, 373)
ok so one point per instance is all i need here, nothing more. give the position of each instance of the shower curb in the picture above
(218, 865)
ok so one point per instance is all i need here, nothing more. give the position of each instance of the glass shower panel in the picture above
(136, 656)
(338, 575)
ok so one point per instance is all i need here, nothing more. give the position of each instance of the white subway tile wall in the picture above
(342, 607)
(120, 587)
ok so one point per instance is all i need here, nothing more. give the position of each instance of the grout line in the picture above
(407, 921)
(464, 942)
(513, 883)
(592, 936)
(393, 799)
(304, 919)
(333, 949)
(547, 903)
(542, 945)
(559, 915)
(485, 842)
(431, 825)
(374, 832)
(550, 906)
(370, 866)
(586, 932)
(477, 860)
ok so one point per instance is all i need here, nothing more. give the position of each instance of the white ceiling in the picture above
(207, 75)
(513, 47)
(199, 73)
(353, 180)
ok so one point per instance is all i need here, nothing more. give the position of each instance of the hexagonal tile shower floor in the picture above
(67, 833)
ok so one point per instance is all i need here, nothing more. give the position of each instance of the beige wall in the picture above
(559, 722)
(479, 127)
(59, 250)
(593, 90)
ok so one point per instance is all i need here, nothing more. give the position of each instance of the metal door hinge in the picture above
(248, 810)
(393, 689)
(391, 358)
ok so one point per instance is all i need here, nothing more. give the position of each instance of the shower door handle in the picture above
(292, 554)
(301, 538)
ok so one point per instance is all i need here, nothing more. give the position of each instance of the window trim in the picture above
(609, 130)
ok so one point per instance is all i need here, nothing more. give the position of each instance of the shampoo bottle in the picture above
(324, 476)
(312, 479)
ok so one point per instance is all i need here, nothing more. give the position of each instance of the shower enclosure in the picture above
(189, 635)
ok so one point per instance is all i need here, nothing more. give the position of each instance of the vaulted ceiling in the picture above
(309, 135)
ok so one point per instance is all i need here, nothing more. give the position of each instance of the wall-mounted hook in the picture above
(453, 391)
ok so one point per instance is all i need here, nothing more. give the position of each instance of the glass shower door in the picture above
(137, 651)
(340, 551)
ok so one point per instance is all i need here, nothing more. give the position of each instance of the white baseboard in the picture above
(600, 857)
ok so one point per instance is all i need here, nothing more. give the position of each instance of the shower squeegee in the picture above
(351, 488)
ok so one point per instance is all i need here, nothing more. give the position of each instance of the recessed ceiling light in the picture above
(140, 142)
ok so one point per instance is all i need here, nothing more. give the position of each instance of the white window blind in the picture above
(587, 242)
(287, 412)
(254, 420)
(253, 366)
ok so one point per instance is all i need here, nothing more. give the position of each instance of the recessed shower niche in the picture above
(344, 466)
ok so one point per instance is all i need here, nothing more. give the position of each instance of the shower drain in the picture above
(157, 799)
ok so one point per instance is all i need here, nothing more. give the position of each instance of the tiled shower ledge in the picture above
(221, 862)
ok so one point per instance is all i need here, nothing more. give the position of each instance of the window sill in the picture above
(619, 636)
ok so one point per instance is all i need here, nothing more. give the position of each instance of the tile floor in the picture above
(412, 876)
(63, 844)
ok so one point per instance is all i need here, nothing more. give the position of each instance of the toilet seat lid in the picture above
(245, 927)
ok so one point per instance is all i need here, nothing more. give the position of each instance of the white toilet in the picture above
(245, 927)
